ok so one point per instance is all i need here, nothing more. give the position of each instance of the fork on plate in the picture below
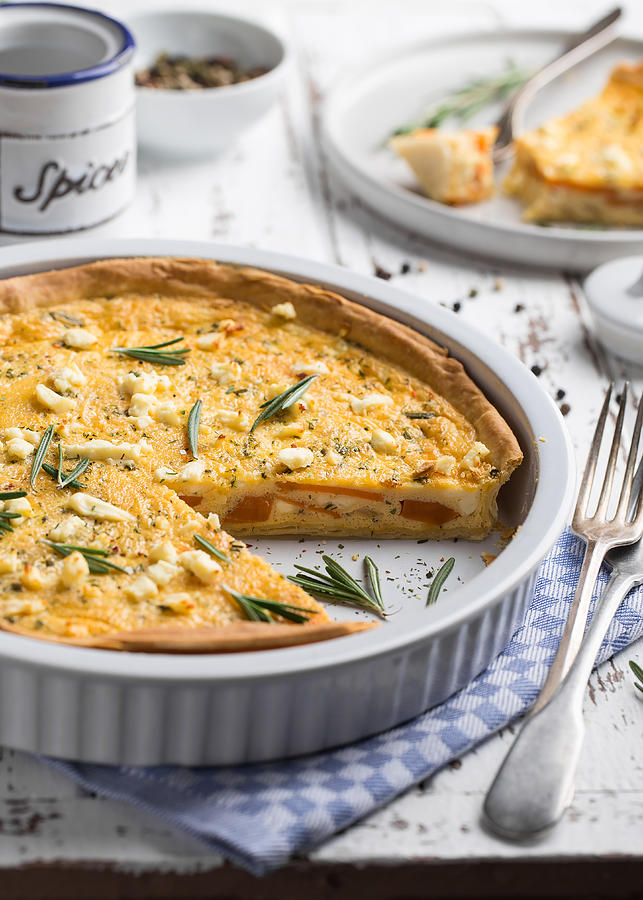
(534, 785)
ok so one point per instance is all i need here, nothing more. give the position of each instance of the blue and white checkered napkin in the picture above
(260, 815)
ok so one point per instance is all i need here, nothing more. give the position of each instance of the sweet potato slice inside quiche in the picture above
(207, 395)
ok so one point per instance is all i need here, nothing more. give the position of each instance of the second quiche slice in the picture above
(208, 395)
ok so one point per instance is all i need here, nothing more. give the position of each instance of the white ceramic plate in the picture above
(142, 708)
(367, 104)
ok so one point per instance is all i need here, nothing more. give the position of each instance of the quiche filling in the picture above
(190, 396)
(586, 166)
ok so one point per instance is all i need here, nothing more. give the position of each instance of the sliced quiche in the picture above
(206, 395)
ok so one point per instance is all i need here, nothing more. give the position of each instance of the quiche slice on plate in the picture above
(270, 406)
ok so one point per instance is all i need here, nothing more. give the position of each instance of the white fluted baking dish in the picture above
(114, 707)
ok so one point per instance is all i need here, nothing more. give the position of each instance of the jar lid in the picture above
(614, 293)
(46, 45)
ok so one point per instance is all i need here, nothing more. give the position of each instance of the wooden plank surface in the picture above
(274, 190)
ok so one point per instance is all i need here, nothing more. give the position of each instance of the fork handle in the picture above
(535, 783)
(574, 630)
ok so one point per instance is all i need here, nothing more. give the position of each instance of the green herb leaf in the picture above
(465, 102)
(155, 354)
(194, 420)
(53, 471)
(65, 318)
(338, 586)
(41, 452)
(59, 476)
(441, 576)
(214, 551)
(12, 495)
(283, 401)
(78, 469)
(419, 415)
(638, 672)
(259, 609)
(94, 557)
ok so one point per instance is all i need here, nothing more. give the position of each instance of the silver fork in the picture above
(586, 44)
(544, 755)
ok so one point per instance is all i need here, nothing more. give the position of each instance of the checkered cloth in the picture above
(260, 815)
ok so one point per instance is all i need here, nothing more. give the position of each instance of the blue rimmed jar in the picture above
(67, 134)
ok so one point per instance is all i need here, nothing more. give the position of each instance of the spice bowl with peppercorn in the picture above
(202, 78)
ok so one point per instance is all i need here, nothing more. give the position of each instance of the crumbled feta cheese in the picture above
(69, 528)
(444, 465)
(311, 368)
(221, 373)
(284, 310)
(232, 418)
(19, 505)
(142, 588)
(163, 473)
(68, 378)
(17, 448)
(361, 405)
(182, 604)
(335, 458)
(141, 405)
(200, 564)
(25, 433)
(94, 508)
(192, 471)
(9, 563)
(615, 157)
(167, 414)
(291, 431)
(164, 551)
(23, 606)
(162, 572)
(54, 401)
(140, 422)
(214, 522)
(79, 339)
(209, 341)
(75, 569)
(99, 449)
(472, 458)
(295, 457)
(142, 383)
(383, 442)
(32, 578)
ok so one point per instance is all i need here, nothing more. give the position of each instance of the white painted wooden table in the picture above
(273, 190)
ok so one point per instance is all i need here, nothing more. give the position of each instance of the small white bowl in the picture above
(197, 123)
(614, 293)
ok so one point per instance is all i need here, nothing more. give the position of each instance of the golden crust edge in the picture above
(386, 338)
(236, 637)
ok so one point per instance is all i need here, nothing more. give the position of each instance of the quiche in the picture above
(178, 400)
(453, 167)
(586, 166)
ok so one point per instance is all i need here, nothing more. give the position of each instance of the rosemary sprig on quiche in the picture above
(71, 482)
(270, 408)
(155, 353)
(258, 609)
(194, 420)
(211, 549)
(438, 582)
(12, 495)
(41, 452)
(70, 478)
(94, 557)
(339, 586)
(638, 674)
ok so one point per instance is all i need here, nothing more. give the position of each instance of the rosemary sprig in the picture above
(12, 495)
(5, 520)
(155, 354)
(41, 452)
(95, 557)
(282, 401)
(338, 586)
(70, 477)
(441, 576)
(53, 471)
(194, 420)
(463, 103)
(214, 551)
(260, 610)
(65, 318)
(638, 673)
(419, 415)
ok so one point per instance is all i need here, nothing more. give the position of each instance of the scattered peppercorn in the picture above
(457, 306)
(560, 393)
(519, 307)
(565, 408)
(405, 268)
(382, 273)
(537, 371)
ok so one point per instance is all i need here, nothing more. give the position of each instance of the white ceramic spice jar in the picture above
(67, 136)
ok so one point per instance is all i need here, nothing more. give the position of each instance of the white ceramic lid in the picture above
(614, 293)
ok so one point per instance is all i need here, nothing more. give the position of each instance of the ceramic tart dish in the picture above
(140, 708)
